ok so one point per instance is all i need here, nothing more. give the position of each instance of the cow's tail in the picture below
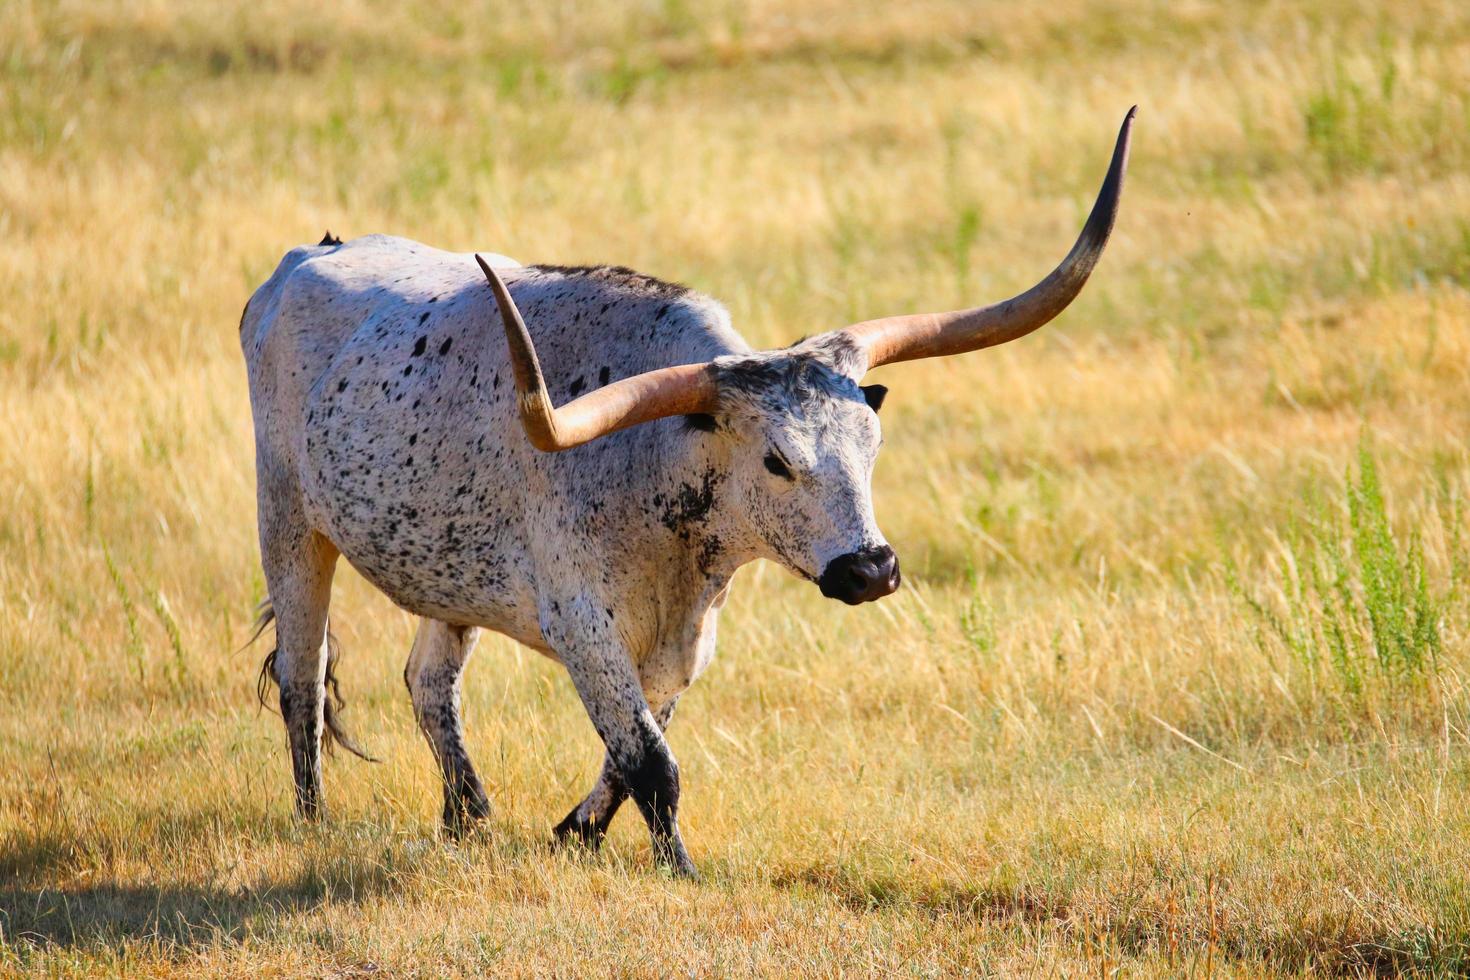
(332, 709)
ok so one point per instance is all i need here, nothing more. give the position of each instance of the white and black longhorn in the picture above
(398, 427)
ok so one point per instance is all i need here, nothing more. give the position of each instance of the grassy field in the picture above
(1178, 680)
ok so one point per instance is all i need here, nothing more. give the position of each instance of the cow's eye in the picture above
(778, 466)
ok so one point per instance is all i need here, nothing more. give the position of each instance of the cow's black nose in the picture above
(861, 576)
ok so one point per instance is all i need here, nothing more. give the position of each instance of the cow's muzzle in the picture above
(861, 576)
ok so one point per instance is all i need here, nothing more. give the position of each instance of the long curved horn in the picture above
(908, 337)
(684, 389)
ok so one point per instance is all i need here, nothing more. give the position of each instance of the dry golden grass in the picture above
(1139, 705)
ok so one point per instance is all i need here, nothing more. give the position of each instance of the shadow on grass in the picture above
(175, 916)
(57, 889)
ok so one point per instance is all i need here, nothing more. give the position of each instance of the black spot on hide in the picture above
(692, 506)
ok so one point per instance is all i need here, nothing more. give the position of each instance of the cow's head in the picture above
(803, 434)
(800, 437)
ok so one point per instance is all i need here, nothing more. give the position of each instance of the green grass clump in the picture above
(1351, 595)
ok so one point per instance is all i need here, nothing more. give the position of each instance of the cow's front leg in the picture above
(608, 684)
(589, 820)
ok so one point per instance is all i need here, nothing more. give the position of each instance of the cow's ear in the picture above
(702, 421)
(874, 395)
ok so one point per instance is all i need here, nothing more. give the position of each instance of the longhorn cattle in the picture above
(397, 426)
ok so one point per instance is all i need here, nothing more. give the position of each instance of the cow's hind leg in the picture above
(588, 821)
(298, 572)
(435, 675)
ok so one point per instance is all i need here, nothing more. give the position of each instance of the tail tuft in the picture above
(334, 702)
(332, 710)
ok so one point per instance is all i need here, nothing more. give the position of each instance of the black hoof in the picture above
(686, 872)
(310, 810)
(674, 860)
(463, 813)
(576, 832)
